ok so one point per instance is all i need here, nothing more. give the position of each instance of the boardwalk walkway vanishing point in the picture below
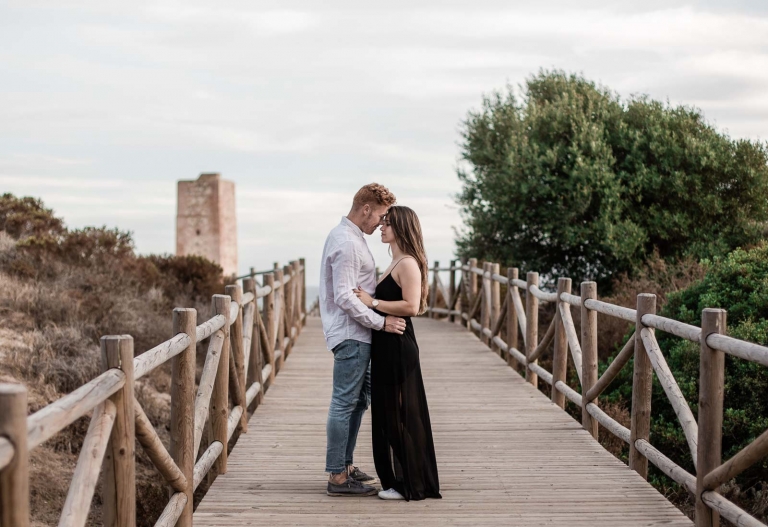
(506, 454)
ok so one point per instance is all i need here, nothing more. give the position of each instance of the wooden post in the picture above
(269, 322)
(485, 303)
(711, 387)
(512, 324)
(494, 287)
(452, 290)
(296, 303)
(472, 287)
(433, 292)
(642, 379)
(252, 273)
(289, 297)
(588, 355)
(183, 369)
(235, 293)
(560, 355)
(14, 478)
(254, 358)
(280, 314)
(119, 486)
(218, 413)
(303, 310)
(531, 325)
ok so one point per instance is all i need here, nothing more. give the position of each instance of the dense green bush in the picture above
(571, 180)
(738, 283)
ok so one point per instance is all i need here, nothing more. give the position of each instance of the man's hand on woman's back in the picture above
(394, 325)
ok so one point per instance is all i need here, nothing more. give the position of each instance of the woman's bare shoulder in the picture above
(407, 267)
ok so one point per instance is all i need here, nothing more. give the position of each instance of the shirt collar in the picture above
(346, 221)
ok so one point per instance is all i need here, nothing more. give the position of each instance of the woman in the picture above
(403, 450)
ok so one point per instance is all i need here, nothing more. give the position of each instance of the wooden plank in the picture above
(506, 455)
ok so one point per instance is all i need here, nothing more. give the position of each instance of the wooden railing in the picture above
(476, 302)
(246, 349)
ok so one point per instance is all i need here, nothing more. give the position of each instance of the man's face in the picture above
(373, 217)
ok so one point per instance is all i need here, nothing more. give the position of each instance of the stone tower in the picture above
(206, 222)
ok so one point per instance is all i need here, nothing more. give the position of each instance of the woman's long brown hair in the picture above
(407, 230)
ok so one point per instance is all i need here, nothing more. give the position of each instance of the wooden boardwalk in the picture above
(506, 455)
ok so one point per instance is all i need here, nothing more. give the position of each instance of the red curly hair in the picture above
(373, 194)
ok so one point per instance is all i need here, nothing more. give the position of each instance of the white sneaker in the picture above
(390, 494)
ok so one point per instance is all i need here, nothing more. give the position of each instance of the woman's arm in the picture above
(408, 276)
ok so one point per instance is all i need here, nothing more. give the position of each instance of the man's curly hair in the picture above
(373, 194)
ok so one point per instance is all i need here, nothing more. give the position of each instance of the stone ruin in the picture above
(206, 221)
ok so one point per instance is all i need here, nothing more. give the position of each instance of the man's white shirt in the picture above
(347, 262)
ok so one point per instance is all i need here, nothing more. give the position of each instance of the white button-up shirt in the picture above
(347, 263)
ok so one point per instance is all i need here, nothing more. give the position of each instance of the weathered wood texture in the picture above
(506, 454)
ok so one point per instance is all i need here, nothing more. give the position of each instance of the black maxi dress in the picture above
(403, 450)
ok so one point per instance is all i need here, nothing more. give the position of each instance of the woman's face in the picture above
(387, 234)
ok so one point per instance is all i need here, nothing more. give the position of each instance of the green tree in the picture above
(570, 180)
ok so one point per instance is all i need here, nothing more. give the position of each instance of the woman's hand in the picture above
(364, 297)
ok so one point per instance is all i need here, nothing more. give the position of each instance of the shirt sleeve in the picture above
(345, 264)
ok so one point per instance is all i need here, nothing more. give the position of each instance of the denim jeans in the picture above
(351, 397)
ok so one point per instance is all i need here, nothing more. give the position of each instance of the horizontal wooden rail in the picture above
(541, 372)
(204, 464)
(666, 465)
(248, 298)
(571, 394)
(206, 329)
(616, 428)
(729, 511)
(739, 348)
(673, 327)
(172, 511)
(605, 308)
(542, 295)
(251, 393)
(160, 354)
(49, 421)
(516, 354)
(571, 299)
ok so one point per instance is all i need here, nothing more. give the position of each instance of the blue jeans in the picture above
(351, 397)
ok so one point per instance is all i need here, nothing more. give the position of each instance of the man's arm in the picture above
(345, 266)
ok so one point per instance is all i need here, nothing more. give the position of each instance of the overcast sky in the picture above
(105, 105)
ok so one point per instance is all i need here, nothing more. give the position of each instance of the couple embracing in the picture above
(368, 327)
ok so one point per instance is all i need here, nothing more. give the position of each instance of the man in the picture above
(347, 323)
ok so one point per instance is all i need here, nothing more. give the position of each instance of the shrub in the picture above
(22, 217)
